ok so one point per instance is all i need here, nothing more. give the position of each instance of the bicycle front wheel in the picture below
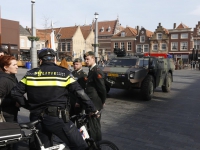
(106, 145)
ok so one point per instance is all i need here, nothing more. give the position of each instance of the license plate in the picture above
(113, 75)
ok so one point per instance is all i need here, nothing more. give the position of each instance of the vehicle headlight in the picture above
(131, 75)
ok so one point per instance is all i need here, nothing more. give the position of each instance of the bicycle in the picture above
(13, 133)
(82, 125)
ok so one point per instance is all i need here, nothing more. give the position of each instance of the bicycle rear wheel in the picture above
(106, 145)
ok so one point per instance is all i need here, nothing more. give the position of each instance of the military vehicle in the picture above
(144, 73)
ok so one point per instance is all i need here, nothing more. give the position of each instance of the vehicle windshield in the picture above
(143, 62)
(122, 62)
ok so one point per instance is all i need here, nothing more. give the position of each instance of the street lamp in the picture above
(96, 37)
(33, 28)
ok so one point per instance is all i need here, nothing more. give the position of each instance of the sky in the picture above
(132, 13)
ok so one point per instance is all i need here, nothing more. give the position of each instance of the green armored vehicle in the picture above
(146, 73)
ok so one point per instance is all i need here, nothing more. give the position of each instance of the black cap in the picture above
(46, 52)
(77, 60)
(89, 53)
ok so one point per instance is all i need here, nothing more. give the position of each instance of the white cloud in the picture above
(196, 11)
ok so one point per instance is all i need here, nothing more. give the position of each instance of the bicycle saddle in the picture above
(29, 125)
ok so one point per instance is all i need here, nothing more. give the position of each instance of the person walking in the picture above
(81, 77)
(95, 89)
(8, 107)
(47, 89)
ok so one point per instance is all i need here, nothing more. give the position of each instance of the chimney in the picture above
(159, 24)
(174, 25)
(138, 29)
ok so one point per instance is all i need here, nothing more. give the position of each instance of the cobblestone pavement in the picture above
(169, 121)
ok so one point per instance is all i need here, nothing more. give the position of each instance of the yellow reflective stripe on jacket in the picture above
(23, 80)
(48, 81)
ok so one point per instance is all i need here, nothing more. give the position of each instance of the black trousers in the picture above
(67, 132)
(95, 128)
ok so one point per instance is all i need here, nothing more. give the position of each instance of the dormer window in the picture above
(122, 34)
(102, 29)
(109, 28)
(159, 36)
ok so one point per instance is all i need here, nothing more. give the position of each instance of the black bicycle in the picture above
(82, 125)
(13, 133)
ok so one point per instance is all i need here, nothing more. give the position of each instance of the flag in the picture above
(193, 54)
(196, 58)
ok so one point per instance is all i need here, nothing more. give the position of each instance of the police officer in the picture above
(47, 88)
(81, 77)
(95, 89)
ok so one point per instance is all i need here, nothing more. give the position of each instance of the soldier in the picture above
(95, 89)
(81, 77)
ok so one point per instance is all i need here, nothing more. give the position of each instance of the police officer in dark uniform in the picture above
(95, 89)
(81, 77)
(47, 89)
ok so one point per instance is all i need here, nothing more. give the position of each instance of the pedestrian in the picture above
(95, 89)
(8, 107)
(47, 89)
(81, 77)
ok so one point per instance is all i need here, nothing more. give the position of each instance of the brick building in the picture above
(180, 42)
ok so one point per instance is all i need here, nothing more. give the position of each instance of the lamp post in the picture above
(33, 47)
(96, 38)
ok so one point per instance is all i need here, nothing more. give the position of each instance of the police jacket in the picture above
(49, 85)
(81, 77)
(95, 87)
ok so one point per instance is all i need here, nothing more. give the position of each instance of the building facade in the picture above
(143, 41)
(159, 41)
(25, 44)
(10, 36)
(125, 40)
(180, 42)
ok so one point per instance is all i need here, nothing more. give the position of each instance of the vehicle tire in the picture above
(107, 89)
(147, 88)
(168, 83)
(106, 145)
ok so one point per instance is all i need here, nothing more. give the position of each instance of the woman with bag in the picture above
(8, 107)
(8, 69)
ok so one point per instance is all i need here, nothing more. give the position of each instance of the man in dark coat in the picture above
(81, 77)
(95, 89)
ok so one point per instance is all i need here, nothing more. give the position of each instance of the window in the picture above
(63, 46)
(109, 28)
(22, 43)
(184, 45)
(68, 46)
(196, 44)
(122, 62)
(139, 49)
(184, 35)
(174, 46)
(174, 36)
(155, 47)
(122, 34)
(28, 43)
(159, 36)
(129, 46)
(38, 46)
(102, 29)
(142, 39)
(116, 45)
(122, 45)
(163, 46)
(146, 48)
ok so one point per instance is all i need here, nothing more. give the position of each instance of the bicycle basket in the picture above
(9, 133)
